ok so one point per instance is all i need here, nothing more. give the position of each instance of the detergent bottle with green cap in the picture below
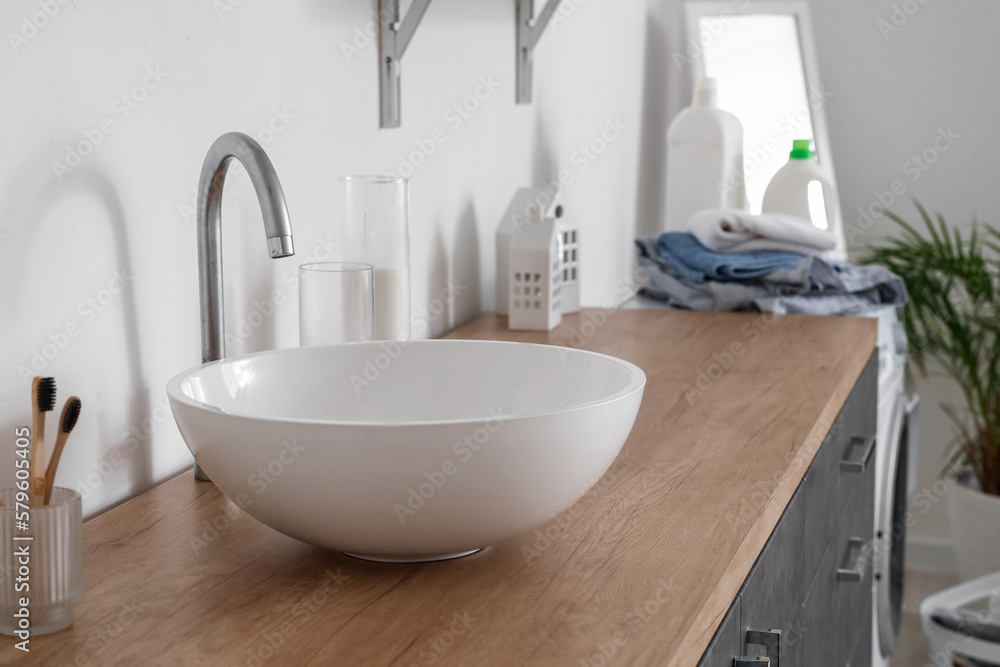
(803, 188)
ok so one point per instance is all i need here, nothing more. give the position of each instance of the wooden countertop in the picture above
(639, 572)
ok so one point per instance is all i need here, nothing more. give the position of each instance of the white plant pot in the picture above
(975, 529)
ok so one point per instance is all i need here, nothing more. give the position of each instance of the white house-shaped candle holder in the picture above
(528, 206)
(535, 277)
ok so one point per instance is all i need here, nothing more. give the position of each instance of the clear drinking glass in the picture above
(47, 556)
(336, 303)
(376, 231)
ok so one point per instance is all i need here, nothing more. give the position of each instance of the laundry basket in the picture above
(953, 631)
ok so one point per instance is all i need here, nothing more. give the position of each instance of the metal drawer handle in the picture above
(857, 571)
(867, 447)
(770, 640)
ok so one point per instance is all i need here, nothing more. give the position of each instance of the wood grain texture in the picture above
(641, 571)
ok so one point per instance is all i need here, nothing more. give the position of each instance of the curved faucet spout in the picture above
(278, 229)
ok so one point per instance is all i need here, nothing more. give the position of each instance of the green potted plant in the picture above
(952, 319)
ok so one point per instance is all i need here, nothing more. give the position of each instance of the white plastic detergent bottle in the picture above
(803, 189)
(704, 160)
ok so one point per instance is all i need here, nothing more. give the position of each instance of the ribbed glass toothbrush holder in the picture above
(41, 562)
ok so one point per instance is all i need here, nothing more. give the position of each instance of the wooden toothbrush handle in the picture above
(50, 471)
(36, 492)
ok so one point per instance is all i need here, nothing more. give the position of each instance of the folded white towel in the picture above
(728, 230)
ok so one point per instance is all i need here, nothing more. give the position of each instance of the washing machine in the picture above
(895, 477)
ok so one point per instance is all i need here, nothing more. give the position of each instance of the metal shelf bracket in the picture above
(395, 33)
(529, 31)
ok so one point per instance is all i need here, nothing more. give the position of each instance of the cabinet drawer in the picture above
(773, 591)
(827, 486)
(835, 604)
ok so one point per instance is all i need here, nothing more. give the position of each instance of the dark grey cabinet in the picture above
(807, 600)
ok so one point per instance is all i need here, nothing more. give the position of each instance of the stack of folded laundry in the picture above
(732, 260)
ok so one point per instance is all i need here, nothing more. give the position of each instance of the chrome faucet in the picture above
(230, 146)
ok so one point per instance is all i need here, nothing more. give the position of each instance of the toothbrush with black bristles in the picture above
(70, 413)
(43, 399)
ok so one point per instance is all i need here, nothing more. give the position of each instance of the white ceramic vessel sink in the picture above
(422, 452)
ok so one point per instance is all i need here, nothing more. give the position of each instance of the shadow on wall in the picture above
(434, 321)
(465, 285)
(544, 169)
(454, 291)
(658, 69)
(19, 270)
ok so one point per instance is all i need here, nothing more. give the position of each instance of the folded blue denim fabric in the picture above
(698, 264)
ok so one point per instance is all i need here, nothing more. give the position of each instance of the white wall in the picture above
(126, 210)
